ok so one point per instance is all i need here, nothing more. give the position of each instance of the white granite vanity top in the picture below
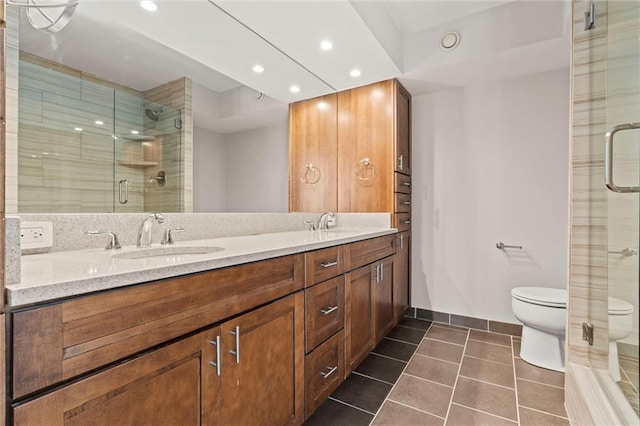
(50, 276)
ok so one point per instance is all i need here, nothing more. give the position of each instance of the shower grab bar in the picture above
(608, 158)
(501, 246)
(626, 252)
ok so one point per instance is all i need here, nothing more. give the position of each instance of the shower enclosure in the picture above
(89, 145)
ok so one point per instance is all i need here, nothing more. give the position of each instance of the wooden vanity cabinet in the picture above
(402, 272)
(359, 337)
(383, 318)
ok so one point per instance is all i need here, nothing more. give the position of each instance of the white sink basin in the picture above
(166, 251)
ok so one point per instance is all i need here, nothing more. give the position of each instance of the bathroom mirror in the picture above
(128, 110)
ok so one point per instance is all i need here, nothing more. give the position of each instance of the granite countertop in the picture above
(51, 276)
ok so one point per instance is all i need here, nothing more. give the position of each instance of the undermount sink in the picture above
(166, 251)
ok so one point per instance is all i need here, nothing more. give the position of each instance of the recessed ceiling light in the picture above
(149, 5)
(258, 68)
(99, 122)
(326, 45)
(135, 132)
(355, 73)
(78, 129)
(294, 89)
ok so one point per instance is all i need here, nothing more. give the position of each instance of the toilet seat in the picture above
(619, 307)
(543, 296)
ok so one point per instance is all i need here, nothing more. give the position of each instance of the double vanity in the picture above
(232, 330)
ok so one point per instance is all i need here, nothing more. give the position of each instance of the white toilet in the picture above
(543, 313)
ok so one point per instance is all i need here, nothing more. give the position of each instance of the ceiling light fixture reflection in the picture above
(78, 129)
(326, 45)
(322, 105)
(294, 89)
(355, 73)
(99, 122)
(258, 69)
(149, 5)
(135, 132)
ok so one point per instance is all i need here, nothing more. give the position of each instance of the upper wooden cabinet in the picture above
(348, 164)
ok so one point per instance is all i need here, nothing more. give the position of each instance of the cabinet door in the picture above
(175, 385)
(401, 280)
(263, 365)
(366, 146)
(313, 155)
(383, 297)
(358, 316)
(403, 130)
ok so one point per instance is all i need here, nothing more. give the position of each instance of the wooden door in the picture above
(313, 155)
(174, 385)
(403, 130)
(383, 318)
(263, 365)
(402, 271)
(358, 316)
(366, 148)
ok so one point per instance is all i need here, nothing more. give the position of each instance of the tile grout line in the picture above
(372, 378)
(515, 382)
(443, 341)
(633, 386)
(541, 383)
(350, 405)
(483, 412)
(491, 343)
(437, 359)
(542, 412)
(398, 379)
(427, 380)
(403, 341)
(390, 357)
(413, 408)
(488, 360)
(453, 392)
(488, 383)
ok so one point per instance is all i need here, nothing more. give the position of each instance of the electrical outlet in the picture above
(36, 235)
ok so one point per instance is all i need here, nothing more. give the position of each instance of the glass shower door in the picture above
(623, 179)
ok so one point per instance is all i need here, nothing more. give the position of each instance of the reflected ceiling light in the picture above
(326, 45)
(294, 89)
(355, 73)
(99, 122)
(258, 68)
(149, 5)
(77, 129)
(323, 105)
(135, 132)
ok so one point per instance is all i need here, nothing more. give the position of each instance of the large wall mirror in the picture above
(127, 110)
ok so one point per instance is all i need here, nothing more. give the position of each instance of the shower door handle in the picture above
(608, 158)
(123, 196)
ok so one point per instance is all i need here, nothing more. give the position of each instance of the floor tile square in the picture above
(362, 392)
(336, 414)
(489, 351)
(441, 350)
(536, 418)
(433, 369)
(393, 414)
(422, 394)
(415, 323)
(381, 368)
(394, 349)
(541, 397)
(484, 336)
(459, 415)
(488, 371)
(486, 397)
(527, 371)
(406, 334)
(447, 334)
(516, 348)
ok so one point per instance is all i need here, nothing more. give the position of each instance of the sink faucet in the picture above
(325, 219)
(144, 232)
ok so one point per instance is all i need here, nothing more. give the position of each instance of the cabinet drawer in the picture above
(403, 202)
(324, 371)
(320, 265)
(402, 183)
(403, 221)
(324, 307)
(368, 251)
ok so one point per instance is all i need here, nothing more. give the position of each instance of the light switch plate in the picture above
(36, 235)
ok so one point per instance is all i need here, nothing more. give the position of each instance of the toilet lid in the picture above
(544, 296)
(619, 307)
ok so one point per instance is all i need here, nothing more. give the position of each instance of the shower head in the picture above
(153, 114)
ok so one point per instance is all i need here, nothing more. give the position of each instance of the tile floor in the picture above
(427, 373)
(629, 382)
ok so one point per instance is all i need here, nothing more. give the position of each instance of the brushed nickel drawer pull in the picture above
(329, 265)
(406, 203)
(406, 183)
(330, 372)
(236, 352)
(406, 222)
(218, 362)
(400, 162)
(328, 309)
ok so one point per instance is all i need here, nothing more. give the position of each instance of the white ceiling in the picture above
(216, 45)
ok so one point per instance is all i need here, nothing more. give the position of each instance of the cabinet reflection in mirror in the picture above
(96, 119)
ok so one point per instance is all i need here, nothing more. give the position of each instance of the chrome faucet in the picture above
(144, 232)
(325, 219)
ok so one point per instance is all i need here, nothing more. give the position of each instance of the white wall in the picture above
(209, 171)
(490, 163)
